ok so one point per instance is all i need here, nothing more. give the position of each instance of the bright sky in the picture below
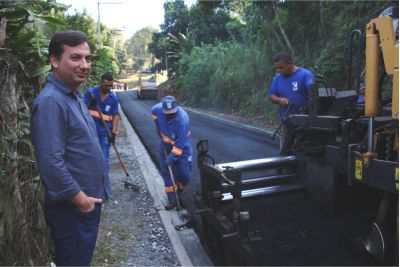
(127, 15)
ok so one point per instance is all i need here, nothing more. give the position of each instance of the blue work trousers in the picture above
(181, 170)
(74, 233)
(105, 147)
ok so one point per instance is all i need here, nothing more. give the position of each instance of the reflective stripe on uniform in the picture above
(177, 151)
(96, 114)
(169, 189)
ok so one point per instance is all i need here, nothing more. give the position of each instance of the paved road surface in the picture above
(293, 229)
(227, 142)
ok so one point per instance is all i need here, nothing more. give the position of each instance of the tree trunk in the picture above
(321, 19)
(278, 38)
(282, 30)
(24, 238)
(3, 23)
(11, 195)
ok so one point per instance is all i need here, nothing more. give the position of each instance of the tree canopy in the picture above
(221, 51)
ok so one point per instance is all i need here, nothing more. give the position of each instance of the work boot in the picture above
(171, 205)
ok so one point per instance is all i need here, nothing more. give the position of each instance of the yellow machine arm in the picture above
(381, 37)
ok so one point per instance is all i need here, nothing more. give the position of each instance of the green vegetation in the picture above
(105, 253)
(137, 49)
(24, 239)
(220, 52)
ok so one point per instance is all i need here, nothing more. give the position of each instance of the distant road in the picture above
(227, 141)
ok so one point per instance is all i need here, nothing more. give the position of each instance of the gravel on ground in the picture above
(131, 231)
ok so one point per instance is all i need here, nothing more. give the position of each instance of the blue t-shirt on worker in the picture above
(108, 108)
(295, 88)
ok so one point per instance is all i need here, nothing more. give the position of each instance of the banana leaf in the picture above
(41, 70)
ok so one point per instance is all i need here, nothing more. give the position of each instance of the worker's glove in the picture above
(111, 138)
(172, 158)
(93, 102)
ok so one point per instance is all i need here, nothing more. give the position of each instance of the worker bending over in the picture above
(101, 97)
(173, 127)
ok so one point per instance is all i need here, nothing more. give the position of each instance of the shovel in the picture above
(128, 183)
(183, 221)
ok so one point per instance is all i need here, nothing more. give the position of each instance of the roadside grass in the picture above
(107, 251)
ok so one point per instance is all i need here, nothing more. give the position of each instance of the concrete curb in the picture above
(155, 185)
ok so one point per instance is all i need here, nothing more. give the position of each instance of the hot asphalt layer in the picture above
(228, 141)
(289, 216)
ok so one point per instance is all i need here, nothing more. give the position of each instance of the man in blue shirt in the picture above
(290, 85)
(173, 127)
(101, 97)
(68, 152)
(361, 96)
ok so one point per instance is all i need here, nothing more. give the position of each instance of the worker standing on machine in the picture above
(173, 127)
(290, 85)
(101, 97)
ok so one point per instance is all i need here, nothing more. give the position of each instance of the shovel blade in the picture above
(131, 186)
(180, 219)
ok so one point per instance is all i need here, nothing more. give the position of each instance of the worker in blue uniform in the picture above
(173, 127)
(103, 98)
(290, 85)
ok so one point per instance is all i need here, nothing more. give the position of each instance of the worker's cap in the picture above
(169, 105)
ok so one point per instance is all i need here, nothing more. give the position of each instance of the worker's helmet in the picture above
(169, 105)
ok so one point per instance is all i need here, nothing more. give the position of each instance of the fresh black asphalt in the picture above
(227, 141)
(294, 231)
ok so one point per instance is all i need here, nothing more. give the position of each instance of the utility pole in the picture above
(98, 24)
(165, 54)
(116, 33)
(98, 19)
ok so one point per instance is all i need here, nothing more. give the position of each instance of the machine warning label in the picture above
(358, 173)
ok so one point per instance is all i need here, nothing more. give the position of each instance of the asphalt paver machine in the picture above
(332, 198)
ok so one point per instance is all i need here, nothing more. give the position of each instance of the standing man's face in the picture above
(105, 86)
(73, 66)
(284, 68)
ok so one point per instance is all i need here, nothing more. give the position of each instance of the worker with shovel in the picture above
(103, 106)
(173, 127)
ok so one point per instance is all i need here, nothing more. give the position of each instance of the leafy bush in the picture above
(106, 61)
(227, 76)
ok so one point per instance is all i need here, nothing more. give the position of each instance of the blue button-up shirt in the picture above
(67, 148)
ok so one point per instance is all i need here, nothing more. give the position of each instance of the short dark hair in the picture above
(107, 76)
(68, 37)
(283, 56)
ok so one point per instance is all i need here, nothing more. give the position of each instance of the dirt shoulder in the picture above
(131, 231)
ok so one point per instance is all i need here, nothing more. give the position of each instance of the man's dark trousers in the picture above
(74, 233)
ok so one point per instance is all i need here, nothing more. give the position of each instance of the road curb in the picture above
(155, 185)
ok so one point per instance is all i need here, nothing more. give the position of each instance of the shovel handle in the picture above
(171, 174)
(281, 122)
